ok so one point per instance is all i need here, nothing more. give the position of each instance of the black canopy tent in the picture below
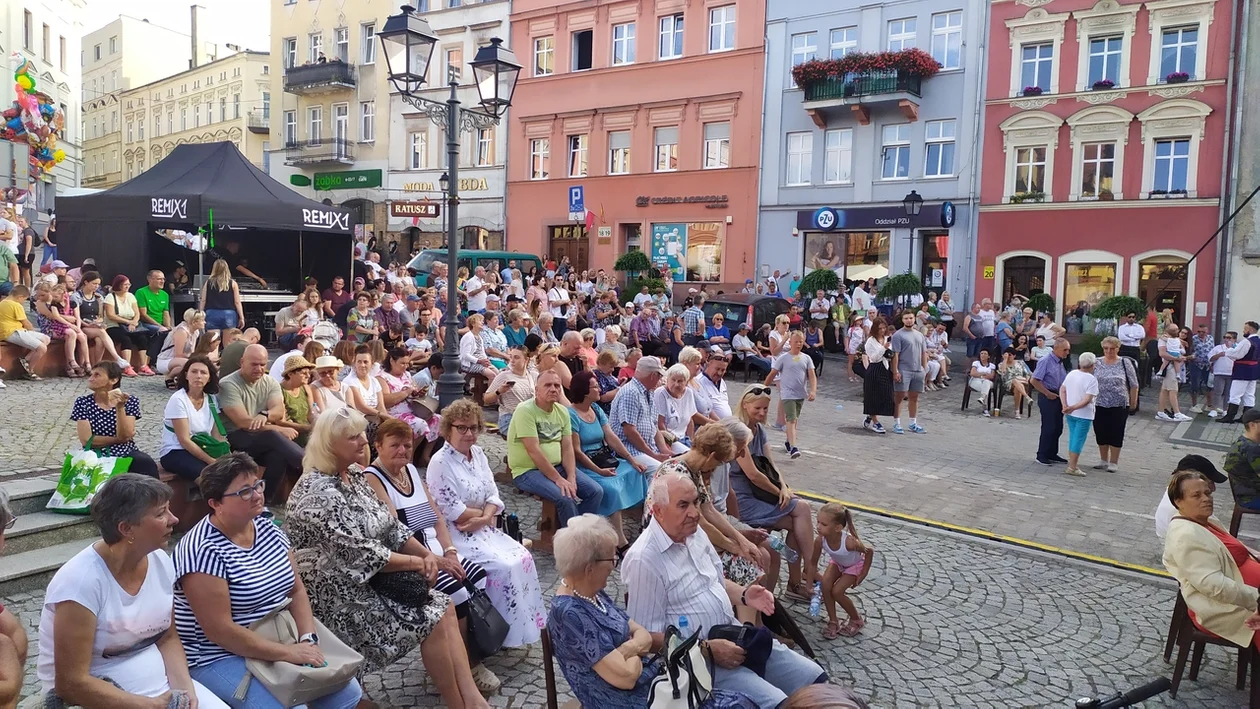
(274, 224)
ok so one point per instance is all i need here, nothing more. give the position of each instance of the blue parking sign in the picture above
(577, 199)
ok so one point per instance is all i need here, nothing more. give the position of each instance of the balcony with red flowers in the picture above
(859, 82)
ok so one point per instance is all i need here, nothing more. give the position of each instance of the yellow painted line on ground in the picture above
(984, 534)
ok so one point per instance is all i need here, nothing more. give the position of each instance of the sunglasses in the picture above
(10, 524)
(247, 493)
(758, 390)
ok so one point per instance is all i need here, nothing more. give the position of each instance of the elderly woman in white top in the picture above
(676, 410)
(472, 351)
(464, 491)
(180, 343)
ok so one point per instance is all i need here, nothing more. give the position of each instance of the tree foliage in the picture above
(1118, 306)
(818, 279)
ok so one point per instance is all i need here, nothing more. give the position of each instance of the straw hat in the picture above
(326, 362)
(295, 363)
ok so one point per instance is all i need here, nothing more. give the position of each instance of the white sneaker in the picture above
(1101, 466)
(3, 385)
(1163, 416)
(1112, 468)
(1213, 413)
(1181, 417)
(1197, 409)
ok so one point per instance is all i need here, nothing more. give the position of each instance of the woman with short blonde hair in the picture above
(181, 343)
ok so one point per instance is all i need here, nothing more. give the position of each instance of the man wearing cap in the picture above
(632, 417)
(1243, 462)
(410, 314)
(743, 348)
(748, 286)
(1165, 511)
(57, 269)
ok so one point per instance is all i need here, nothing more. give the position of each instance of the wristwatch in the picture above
(311, 638)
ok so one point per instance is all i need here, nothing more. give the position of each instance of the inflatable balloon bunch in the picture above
(33, 119)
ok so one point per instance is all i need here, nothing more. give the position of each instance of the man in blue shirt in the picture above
(1047, 379)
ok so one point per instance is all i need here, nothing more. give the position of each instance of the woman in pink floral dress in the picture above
(463, 488)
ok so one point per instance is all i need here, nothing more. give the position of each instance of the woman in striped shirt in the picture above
(233, 568)
(399, 486)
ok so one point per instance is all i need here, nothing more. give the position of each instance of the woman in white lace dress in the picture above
(463, 488)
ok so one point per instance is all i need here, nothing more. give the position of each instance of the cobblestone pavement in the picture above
(953, 621)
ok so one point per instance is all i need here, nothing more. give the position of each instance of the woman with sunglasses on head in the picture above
(233, 568)
(464, 491)
(877, 389)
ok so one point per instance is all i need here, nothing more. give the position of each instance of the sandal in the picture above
(832, 631)
(796, 593)
(850, 629)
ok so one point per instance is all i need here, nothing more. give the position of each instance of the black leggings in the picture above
(125, 340)
(143, 464)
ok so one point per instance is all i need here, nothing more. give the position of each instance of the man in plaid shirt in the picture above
(693, 321)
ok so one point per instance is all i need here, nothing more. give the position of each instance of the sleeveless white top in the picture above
(843, 557)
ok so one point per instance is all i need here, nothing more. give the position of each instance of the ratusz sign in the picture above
(423, 210)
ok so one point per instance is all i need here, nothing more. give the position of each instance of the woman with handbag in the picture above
(193, 434)
(603, 457)
(465, 493)
(603, 654)
(235, 568)
(742, 561)
(398, 485)
(764, 498)
(369, 579)
(106, 419)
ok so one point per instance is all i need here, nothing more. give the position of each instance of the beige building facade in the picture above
(225, 100)
(341, 133)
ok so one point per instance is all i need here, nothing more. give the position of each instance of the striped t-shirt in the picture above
(258, 579)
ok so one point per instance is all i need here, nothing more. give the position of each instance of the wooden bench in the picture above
(52, 365)
(548, 524)
(187, 503)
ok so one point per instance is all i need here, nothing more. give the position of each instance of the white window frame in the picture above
(808, 49)
(619, 157)
(941, 36)
(1098, 124)
(1179, 13)
(1173, 118)
(1106, 19)
(666, 153)
(899, 141)
(1036, 27)
(838, 156)
(1098, 162)
(367, 121)
(1029, 129)
(1037, 61)
(579, 151)
(539, 158)
(1031, 163)
(315, 46)
(623, 46)
(940, 134)
(290, 127)
(1172, 159)
(670, 36)
(722, 18)
(1110, 49)
(545, 46)
(1179, 45)
(367, 42)
(314, 124)
(341, 43)
(800, 159)
(717, 149)
(290, 52)
(418, 150)
(843, 41)
(484, 156)
(903, 33)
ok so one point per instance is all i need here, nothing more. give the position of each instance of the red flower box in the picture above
(911, 62)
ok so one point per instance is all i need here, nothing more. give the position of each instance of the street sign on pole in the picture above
(577, 203)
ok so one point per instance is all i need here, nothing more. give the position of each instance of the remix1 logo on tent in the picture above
(323, 219)
(169, 208)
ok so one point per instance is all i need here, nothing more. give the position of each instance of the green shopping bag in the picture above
(82, 475)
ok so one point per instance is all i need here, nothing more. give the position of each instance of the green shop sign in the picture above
(347, 180)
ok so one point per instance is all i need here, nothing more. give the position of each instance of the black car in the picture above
(736, 308)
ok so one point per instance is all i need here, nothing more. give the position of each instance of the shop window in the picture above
(704, 252)
(866, 255)
(1088, 282)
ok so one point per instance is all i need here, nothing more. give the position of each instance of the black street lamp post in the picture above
(408, 44)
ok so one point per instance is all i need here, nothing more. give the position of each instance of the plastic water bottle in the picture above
(788, 553)
(684, 627)
(815, 603)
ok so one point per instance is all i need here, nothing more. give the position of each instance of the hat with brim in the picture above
(1201, 464)
(295, 363)
(325, 362)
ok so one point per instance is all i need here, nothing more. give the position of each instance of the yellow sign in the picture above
(466, 184)
(988, 273)
(419, 187)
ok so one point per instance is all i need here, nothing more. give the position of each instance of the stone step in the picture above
(32, 570)
(29, 495)
(37, 530)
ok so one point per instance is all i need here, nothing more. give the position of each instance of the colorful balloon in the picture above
(25, 81)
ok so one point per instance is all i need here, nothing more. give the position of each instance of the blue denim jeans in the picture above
(786, 672)
(590, 494)
(223, 677)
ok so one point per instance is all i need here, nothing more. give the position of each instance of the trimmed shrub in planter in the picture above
(1021, 197)
(1177, 77)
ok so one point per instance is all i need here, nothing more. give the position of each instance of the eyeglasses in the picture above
(604, 559)
(758, 390)
(247, 493)
(719, 358)
(466, 429)
(12, 521)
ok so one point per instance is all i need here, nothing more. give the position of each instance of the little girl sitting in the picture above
(850, 561)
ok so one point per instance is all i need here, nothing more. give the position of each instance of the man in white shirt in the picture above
(742, 347)
(716, 404)
(673, 571)
(558, 301)
(861, 299)
(374, 265)
(1130, 334)
(475, 289)
(1165, 511)
(1222, 374)
(277, 367)
(820, 307)
(642, 297)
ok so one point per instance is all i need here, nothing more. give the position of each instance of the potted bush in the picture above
(1031, 91)
(1179, 193)
(633, 263)
(823, 279)
(1031, 196)
(898, 287)
(1104, 84)
(908, 62)
(1041, 303)
(1177, 77)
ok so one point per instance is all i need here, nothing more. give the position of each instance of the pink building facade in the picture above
(1105, 149)
(654, 109)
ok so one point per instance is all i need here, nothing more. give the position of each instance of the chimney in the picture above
(196, 40)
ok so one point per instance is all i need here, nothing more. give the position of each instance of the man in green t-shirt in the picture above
(540, 438)
(155, 311)
(252, 403)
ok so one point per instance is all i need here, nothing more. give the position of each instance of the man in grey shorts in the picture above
(909, 367)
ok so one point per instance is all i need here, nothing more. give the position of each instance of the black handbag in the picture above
(604, 457)
(510, 525)
(486, 627)
(756, 641)
(767, 469)
(406, 588)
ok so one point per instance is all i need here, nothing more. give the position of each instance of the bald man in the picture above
(252, 406)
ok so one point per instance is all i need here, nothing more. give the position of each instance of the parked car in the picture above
(495, 261)
(756, 310)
